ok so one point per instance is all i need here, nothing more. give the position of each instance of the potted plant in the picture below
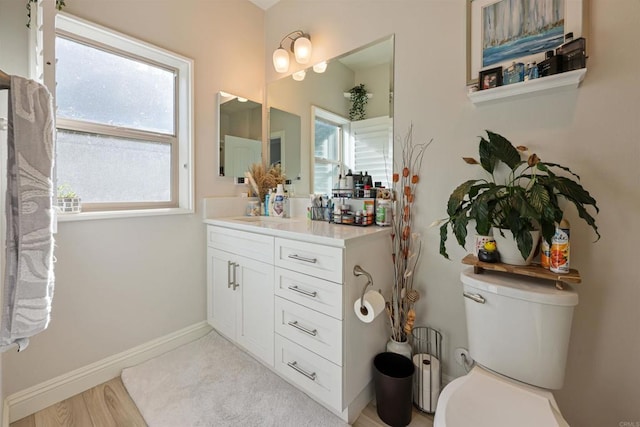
(526, 199)
(68, 200)
(358, 98)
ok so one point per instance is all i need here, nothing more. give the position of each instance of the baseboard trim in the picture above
(40, 396)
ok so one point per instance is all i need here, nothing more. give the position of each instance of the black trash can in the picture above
(393, 378)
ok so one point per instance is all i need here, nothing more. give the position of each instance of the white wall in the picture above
(594, 130)
(123, 282)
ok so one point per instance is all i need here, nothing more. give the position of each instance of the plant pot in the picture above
(399, 347)
(69, 204)
(508, 248)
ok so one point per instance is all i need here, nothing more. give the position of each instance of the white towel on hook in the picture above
(28, 280)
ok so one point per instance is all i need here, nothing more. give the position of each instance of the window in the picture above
(123, 120)
(330, 136)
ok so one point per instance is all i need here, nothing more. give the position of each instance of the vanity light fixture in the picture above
(320, 67)
(299, 76)
(300, 46)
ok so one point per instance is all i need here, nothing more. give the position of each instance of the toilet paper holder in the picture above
(359, 271)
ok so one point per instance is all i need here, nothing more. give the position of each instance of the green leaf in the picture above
(456, 198)
(460, 228)
(555, 165)
(524, 241)
(487, 159)
(575, 191)
(504, 151)
(443, 240)
(538, 197)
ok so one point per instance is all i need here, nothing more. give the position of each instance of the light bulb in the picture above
(320, 67)
(302, 49)
(281, 60)
(299, 76)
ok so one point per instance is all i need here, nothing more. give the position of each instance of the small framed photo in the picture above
(488, 79)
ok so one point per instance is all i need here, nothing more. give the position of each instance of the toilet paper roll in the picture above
(426, 381)
(373, 306)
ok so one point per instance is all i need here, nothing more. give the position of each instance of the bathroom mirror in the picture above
(240, 134)
(371, 65)
(284, 141)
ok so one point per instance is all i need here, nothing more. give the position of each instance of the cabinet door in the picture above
(255, 319)
(222, 301)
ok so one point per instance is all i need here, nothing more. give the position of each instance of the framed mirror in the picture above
(240, 134)
(365, 143)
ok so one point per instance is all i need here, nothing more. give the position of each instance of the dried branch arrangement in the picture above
(406, 242)
(262, 179)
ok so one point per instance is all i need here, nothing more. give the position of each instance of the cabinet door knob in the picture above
(301, 258)
(294, 365)
(295, 288)
(303, 329)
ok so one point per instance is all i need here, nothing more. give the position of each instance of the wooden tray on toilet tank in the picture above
(533, 270)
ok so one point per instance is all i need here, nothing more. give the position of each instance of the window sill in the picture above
(88, 216)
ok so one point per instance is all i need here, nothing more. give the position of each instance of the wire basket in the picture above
(427, 354)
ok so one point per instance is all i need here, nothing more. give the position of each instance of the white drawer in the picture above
(252, 245)
(320, 261)
(316, 331)
(311, 373)
(314, 293)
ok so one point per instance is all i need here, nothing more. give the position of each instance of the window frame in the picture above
(181, 142)
(344, 156)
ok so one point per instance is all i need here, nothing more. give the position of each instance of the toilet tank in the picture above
(522, 328)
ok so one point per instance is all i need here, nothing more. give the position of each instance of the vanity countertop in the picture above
(301, 229)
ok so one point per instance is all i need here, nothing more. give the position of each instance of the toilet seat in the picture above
(485, 399)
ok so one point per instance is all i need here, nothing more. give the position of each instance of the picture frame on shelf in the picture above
(488, 79)
(502, 42)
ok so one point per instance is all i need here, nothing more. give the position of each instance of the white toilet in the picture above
(518, 329)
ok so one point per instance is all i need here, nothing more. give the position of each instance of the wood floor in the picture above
(109, 405)
(105, 405)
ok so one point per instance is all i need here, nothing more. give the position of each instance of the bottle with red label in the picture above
(559, 251)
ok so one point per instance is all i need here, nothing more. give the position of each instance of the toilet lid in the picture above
(483, 399)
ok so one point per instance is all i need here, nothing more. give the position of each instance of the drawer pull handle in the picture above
(301, 258)
(235, 280)
(303, 329)
(295, 288)
(229, 279)
(294, 365)
(474, 297)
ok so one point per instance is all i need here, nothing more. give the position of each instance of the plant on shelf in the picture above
(406, 244)
(59, 5)
(359, 99)
(68, 200)
(527, 198)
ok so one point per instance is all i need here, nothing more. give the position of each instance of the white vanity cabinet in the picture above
(306, 318)
(240, 289)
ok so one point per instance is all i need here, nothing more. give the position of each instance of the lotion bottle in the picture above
(278, 205)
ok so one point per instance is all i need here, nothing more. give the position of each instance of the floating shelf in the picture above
(533, 270)
(567, 80)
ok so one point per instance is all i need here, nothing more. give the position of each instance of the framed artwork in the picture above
(490, 78)
(502, 31)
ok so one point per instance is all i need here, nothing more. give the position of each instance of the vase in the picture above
(508, 247)
(399, 347)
